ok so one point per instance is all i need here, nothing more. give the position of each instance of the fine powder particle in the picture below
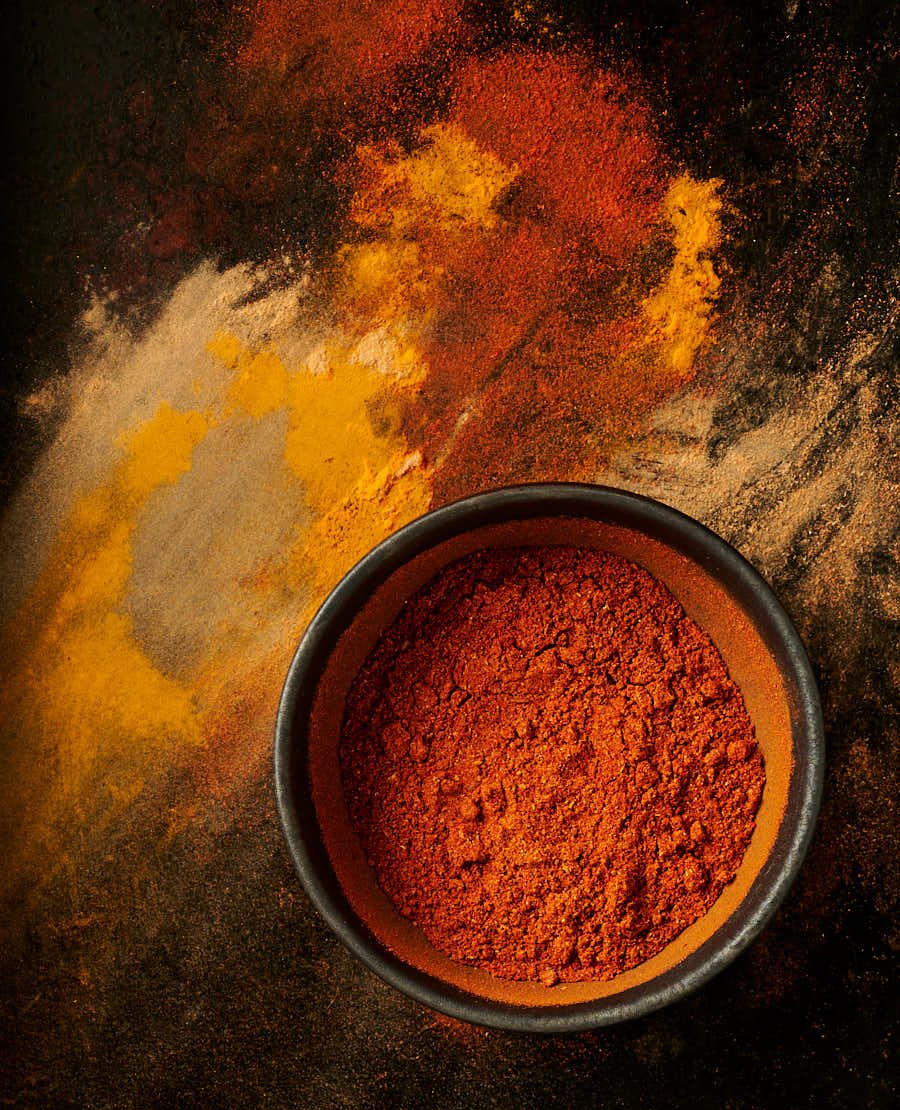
(547, 764)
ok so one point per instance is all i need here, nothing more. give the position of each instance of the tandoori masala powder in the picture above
(548, 766)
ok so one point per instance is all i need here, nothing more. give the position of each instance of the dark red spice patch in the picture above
(578, 133)
(341, 44)
(532, 320)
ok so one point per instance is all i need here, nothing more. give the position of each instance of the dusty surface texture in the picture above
(284, 275)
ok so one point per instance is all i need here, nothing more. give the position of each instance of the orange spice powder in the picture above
(548, 765)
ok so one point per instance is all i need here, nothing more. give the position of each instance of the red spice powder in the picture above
(577, 132)
(548, 765)
(570, 392)
(341, 43)
(532, 318)
(301, 72)
(495, 296)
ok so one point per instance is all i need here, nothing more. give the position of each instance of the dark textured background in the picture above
(233, 992)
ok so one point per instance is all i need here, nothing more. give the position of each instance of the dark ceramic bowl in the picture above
(716, 586)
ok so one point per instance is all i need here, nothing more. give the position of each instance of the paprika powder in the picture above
(547, 764)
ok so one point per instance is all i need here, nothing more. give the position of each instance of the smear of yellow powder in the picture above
(420, 205)
(388, 280)
(341, 430)
(343, 441)
(344, 446)
(261, 382)
(449, 180)
(680, 310)
(159, 451)
(87, 709)
(378, 505)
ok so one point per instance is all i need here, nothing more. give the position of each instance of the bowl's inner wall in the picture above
(704, 598)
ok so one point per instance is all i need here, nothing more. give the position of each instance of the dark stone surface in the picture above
(214, 983)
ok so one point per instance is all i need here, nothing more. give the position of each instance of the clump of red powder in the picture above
(547, 764)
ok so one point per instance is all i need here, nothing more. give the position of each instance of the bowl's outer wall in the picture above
(686, 535)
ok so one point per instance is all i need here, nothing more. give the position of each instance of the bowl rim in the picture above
(521, 502)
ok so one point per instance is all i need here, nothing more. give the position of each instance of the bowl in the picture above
(716, 586)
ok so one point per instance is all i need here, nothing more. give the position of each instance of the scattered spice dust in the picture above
(74, 670)
(549, 768)
(518, 276)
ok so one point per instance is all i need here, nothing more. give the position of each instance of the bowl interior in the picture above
(742, 643)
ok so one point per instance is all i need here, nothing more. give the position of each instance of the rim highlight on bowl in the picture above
(715, 585)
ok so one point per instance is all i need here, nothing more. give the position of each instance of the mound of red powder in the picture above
(547, 764)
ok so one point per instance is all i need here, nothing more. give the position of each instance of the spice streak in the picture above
(398, 376)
